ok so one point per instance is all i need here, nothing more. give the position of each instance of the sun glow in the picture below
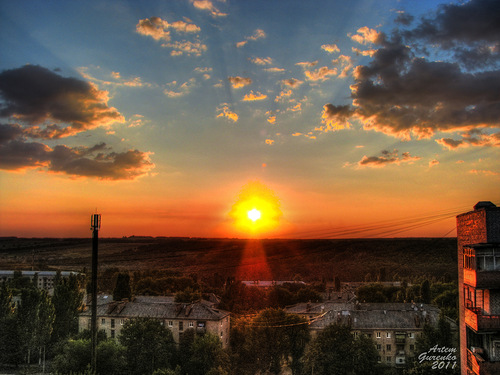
(257, 209)
(254, 214)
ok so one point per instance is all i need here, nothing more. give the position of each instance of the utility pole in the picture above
(95, 225)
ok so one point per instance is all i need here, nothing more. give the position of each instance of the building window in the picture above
(221, 334)
(388, 335)
(112, 323)
(411, 335)
(122, 321)
(103, 321)
(170, 323)
(191, 324)
(388, 347)
(112, 333)
(388, 359)
(378, 335)
(379, 359)
(181, 326)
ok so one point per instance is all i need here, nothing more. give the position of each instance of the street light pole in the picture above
(95, 225)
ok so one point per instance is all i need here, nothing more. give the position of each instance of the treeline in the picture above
(443, 295)
(236, 297)
(32, 323)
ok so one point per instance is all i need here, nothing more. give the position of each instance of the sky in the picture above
(344, 118)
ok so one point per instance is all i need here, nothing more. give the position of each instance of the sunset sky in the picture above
(355, 118)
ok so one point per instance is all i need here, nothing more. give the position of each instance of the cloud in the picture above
(158, 29)
(275, 70)
(283, 94)
(258, 34)
(35, 95)
(404, 18)
(262, 60)
(296, 108)
(471, 139)
(227, 113)
(330, 48)
(271, 120)
(269, 142)
(181, 90)
(335, 118)
(433, 163)
(251, 97)
(345, 64)
(116, 79)
(209, 6)
(307, 64)
(98, 161)
(292, 82)
(417, 83)
(320, 74)
(484, 172)
(365, 36)
(186, 47)
(386, 158)
(368, 52)
(239, 82)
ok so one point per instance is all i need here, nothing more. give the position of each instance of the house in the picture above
(394, 327)
(478, 234)
(177, 317)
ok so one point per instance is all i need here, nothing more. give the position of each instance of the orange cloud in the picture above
(330, 48)
(239, 82)
(254, 97)
(321, 74)
(209, 6)
(365, 35)
(227, 113)
(262, 60)
(269, 142)
(387, 158)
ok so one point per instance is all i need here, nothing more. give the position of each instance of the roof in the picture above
(155, 307)
(369, 316)
(39, 273)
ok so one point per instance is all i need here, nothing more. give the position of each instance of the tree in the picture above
(207, 354)
(10, 343)
(68, 303)
(336, 352)
(75, 357)
(122, 287)
(149, 345)
(266, 341)
(187, 296)
(425, 291)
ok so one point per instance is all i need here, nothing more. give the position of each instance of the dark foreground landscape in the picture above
(353, 260)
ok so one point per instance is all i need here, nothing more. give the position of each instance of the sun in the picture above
(254, 214)
(256, 210)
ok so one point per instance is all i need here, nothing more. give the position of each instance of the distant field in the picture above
(245, 259)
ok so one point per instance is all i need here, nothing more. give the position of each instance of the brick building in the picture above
(178, 317)
(45, 279)
(478, 234)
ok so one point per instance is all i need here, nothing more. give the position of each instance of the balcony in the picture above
(479, 322)
(479, 366)
(482, 279)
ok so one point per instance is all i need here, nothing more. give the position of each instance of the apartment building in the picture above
(394, 327)
(478, 234)
(177, 317)
(45, 279)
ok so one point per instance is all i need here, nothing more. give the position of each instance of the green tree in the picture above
(207, 354)
(266, 341)
(187, 296)
(336, 352)
(68, 303)
(425, 291)
(122, 287)
(45, 316)
(149, 346)
(74, 357)
(10, 343)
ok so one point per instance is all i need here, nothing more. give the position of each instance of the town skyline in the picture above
(354, 119)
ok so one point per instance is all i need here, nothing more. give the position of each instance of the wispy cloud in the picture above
(258, 34)
(387, 158)
(330, 48)
(208, 6)
(365, 35)
(180, 90)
